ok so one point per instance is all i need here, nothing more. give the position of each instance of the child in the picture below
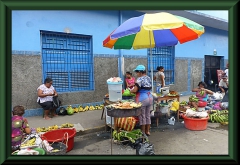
(19, 127)
(130, 80)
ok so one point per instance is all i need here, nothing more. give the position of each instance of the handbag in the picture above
(56, 102)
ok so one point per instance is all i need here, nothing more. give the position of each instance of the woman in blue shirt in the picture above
(143, 87)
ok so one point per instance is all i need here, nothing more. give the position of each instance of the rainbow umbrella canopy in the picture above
(153, 30)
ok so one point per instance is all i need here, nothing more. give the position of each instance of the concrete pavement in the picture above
(89, 120)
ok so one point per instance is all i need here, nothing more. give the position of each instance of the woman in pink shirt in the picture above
(130, 80)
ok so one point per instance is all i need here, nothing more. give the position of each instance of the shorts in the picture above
(48, 105)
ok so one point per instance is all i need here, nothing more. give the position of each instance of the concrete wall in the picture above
(27, 76)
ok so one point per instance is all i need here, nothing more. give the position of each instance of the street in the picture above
(167, 140)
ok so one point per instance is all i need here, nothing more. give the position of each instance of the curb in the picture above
(91, 130)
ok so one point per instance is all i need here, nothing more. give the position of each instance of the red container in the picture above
(65, 135)
(195, 124)
(202, 103)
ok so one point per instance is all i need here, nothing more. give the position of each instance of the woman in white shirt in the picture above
(45, 97)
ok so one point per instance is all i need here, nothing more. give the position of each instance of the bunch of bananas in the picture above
(42, 129)
(67, 125)
(75, 109)
(182, 103)
(193, 98)
(219, 116)
(45, 129)
(90, 108)
(202, 92)
(30, 142)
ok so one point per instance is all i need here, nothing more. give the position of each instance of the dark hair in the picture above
(160, 68)
(18, 110)
(129, 73)
(47, 80)
(140, 71)
(203, 84)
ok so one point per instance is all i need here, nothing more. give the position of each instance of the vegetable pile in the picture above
(219, 116)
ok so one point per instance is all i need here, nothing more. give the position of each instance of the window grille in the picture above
(68, 60)
(163, 56)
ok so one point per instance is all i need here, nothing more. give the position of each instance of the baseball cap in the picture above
(139, 67)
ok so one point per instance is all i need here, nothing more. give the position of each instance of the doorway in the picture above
(212, 64)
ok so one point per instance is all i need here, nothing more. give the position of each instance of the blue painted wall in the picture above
(26, 26)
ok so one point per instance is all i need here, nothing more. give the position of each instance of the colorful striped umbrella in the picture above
(153, 30)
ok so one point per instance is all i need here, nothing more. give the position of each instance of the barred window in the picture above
(68, 60)
(163, 56)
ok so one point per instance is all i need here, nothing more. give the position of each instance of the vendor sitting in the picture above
(201, 94)
(223, 84)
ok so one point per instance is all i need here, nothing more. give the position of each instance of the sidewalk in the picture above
(89, 120)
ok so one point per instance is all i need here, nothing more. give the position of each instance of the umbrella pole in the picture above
(151, 63)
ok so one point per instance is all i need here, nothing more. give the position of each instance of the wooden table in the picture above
(166, 98)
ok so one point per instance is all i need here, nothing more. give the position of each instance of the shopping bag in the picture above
(126, 123)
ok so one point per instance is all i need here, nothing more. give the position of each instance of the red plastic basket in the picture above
(59, 136)
(195, 124)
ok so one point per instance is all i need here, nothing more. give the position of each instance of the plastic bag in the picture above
(145, 149)
(28, 152)
(171, 121)
(56, 102)
(62, 111)
(218, 96)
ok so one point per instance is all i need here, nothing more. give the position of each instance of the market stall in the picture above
(119, 110)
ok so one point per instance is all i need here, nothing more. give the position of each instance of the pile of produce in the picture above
(124, 105)
(81, 108)
(219, 116)
(183, 103)
(30, 142)
(54, 127)
(131, 136)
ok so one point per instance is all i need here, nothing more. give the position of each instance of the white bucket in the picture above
(165, 90)
(164, 108)
(115, 91)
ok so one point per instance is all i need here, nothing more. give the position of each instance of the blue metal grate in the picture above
(68, 60)
(164, 56)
